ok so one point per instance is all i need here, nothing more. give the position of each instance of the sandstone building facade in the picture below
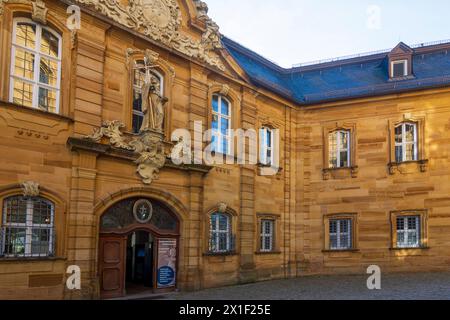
(86, 179)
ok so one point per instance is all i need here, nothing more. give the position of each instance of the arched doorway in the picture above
(138, 248)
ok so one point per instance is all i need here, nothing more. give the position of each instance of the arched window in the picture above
(221, 238)
(139, 74)
(35, 66)
(221, 125)
(406, 142)
(27, 227)
(339, 149)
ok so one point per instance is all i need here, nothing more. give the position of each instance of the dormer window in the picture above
(399, 68)
(400, 62)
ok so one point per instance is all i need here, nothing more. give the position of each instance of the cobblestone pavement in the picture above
(424, 286)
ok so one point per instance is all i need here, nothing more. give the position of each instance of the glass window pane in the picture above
(223, 242)
(410, 132)
(224, 126)
(16, 210)
(215, 122)
(399, 154)
(48, 72)
(40, 242)
(26, 35)
(344, 140)
(42, 212)
(214, 222)
(223, 222)
(15, 241)
(137, 101)
(344, 159)
(137, 122)
(225, 107)
(332, 145)
(24, 64)
(399, 134)
(215, 103)
(47, 99)
(225, 145)
(410, 152)
(49, 44)
(23, 93)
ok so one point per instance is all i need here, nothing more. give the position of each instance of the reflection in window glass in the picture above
(406, 143)
(339, 149)
(36, 61)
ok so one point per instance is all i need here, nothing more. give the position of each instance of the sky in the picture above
(289, 32)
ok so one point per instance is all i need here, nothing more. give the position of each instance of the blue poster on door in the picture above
(167, 258)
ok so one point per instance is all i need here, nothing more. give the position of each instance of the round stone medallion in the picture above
(143, 211)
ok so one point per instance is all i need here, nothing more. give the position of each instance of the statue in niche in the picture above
(153, 103)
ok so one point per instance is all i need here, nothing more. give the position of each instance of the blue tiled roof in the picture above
(351, 78)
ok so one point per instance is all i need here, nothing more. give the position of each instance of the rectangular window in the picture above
(408, 232)
(267, 235)
(406, 142)
(340, 234)
(35, 66)
(221, 240)
(339, 149)
(399, 69)
(266, 146)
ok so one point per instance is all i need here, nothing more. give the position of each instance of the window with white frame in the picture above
(27, 228)
(221, 125)
(267, 235)
(266, 145)
(339, 149)
(399, 68)
(221, 240)
(408, 232)
(139, 74)
(35, 77)
(340, 234)
(406, 142)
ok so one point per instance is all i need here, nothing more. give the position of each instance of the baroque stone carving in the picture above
(161, 20)
(39, 13)
(222, 207)
(111, 130)
(30, 189)
(148, 146)
(153, 104)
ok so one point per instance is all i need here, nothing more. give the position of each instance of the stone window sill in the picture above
(409, 249)
(267, 253)
(220, 254)
(341, 251)
(407, 166)
(31, 259)
(340, 173)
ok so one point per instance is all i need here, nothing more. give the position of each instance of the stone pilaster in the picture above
(82, 226)
(247, 217)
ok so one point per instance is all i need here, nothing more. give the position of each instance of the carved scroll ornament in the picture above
(161, 21)
(148, 146)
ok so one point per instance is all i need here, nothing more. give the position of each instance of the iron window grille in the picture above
(221, 239)
(28, 228)
(341, 234)
(408, 232)
(267, 235)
